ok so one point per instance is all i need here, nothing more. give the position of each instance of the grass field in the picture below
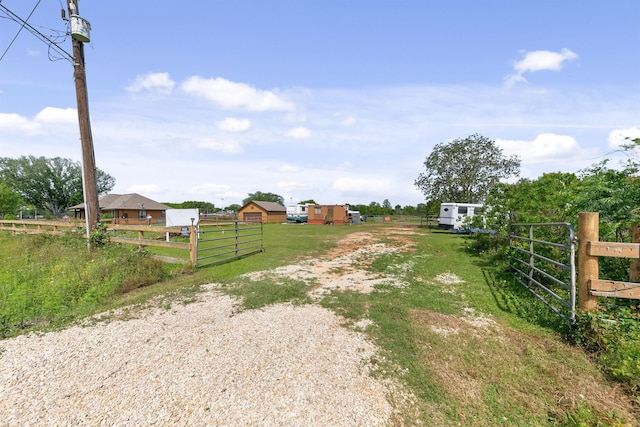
(470, 347)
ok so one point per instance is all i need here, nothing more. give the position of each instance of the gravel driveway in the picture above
(203, 363)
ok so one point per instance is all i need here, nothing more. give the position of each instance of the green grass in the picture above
(49, 280)
(513, 369)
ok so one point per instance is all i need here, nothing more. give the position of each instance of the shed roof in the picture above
(269, 206)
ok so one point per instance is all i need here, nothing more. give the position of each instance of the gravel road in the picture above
(196, 364)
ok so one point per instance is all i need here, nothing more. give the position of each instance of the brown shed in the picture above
(328, 214)
(265, 212)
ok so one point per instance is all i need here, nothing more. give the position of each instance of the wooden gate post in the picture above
(193, 245)
(588, 229)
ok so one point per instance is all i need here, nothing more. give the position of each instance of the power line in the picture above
(19, 30)
(32, 30)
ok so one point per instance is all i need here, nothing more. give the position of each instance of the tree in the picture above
(10, 201)
(386, 205)
(51, 184)
(204, 207)
(549, 198)
(465, 170)
(264, 197)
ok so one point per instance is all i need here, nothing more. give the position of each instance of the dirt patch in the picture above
(346, 266)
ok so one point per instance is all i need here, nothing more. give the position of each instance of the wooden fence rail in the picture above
(590, 286)
(158, 239)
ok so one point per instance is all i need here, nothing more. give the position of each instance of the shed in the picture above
(328, 214)
(265, 212)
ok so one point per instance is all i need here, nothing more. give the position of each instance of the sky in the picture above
(339, 101)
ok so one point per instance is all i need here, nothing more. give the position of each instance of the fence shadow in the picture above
(513, 298)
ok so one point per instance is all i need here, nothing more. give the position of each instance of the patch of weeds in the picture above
(265, 292)
(612, 335)
(351, 305)
(585, 415)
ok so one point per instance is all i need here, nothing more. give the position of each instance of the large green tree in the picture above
(263, 197)
(465, 170)
(10, 201)
(52, 184)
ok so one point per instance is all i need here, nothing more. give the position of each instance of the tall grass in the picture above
(48, 279)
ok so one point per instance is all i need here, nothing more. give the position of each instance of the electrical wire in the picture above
(19, 30)
(24, 25)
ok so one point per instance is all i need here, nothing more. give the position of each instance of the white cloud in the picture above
(231, 124)
(153, 82)
(362, 185)
(226, 145)
(289, 169)
(539, 60)
(231, 95)
(298, 133)
(294, 185)
(145, 189)
(618, 137)
(57, 115)
(545, 147)
(348, 121)
(16, 123)
(209, 189)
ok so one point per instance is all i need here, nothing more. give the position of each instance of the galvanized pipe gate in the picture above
(217, 242)
(546, 268)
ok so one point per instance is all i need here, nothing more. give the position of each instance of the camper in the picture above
(297, 213)
(454, 215)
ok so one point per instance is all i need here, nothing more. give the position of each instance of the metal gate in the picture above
(542, 259)
(222, 241)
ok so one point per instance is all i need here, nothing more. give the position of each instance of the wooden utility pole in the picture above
(92, 208)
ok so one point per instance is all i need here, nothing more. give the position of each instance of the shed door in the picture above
(330, 214)
(252, 216)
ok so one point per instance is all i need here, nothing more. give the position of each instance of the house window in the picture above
(317, 211)
(142, 214)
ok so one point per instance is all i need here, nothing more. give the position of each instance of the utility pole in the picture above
(92, 208)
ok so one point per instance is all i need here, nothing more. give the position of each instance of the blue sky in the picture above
(336, 101)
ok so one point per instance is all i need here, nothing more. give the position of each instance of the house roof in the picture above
(112, 202)
(269, 206)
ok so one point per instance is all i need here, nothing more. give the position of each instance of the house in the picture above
(328, 214)
(265, 212)
(132, 209)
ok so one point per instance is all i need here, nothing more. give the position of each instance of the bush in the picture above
(612, 334)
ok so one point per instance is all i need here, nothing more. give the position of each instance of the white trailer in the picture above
(297, 213)
(454, 215)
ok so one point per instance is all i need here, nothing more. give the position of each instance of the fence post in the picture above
(193, 246)
(588, 229)
(634, 270)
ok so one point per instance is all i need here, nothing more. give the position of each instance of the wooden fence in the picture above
(211, 242)
(129, 234)
(590, 286)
